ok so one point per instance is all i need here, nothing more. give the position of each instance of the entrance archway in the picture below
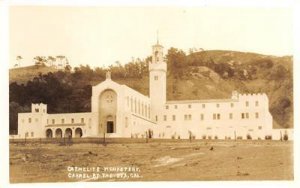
(78, 133)
(58, 133)
(109, 124)
(110, 127)
(107, 111)
(49, 133)
(68, 133)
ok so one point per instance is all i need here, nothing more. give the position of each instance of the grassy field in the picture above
(153, 161)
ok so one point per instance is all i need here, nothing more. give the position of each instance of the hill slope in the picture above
(24, 74)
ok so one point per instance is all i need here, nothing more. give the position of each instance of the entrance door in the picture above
(110, 127)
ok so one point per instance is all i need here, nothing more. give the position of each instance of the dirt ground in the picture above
(153, 161)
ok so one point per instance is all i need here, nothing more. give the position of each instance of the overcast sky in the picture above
(99, 36)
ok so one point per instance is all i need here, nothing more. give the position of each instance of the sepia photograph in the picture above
(150, 93)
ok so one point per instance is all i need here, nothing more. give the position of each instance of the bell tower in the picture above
(157, 78)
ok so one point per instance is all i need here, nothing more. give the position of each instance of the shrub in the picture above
(268, 137)
(249, 137)
(285, 137)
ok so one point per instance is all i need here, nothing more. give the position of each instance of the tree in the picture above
(176, 60)
(40, 60)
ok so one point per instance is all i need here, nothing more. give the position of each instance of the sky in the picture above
(100, 36)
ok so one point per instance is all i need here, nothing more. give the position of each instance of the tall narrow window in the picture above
(218, 105)
(189, 106)
(243, 116)
(214, 116)
(155, 77)
(135, 105)
(29, 120)
(203, 105)
(82, 120)
(156, 118)
(126, 122)
(174, 118)
(231, 105)
(53, 121)
(131, 104)
(165, 118)
(190, 117)
(218, 116)
(230, 115)
(167, 107)
(202, 117)
(175, 106)
(256, 115)
(247, 103)
(247, 115)
(72, 120)
(62, 121)
(256, 103)
(139, 104)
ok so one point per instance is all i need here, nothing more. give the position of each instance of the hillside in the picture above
(24, 74)
(199, 75)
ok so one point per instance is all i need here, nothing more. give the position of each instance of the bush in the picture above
(268, 137)
(204, 137)
(249, 137)
(285, 137)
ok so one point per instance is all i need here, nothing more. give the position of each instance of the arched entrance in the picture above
(78, 133)
(68, 133)
(109, 124)
(58, 133)
(49, 133)
(107, 111)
